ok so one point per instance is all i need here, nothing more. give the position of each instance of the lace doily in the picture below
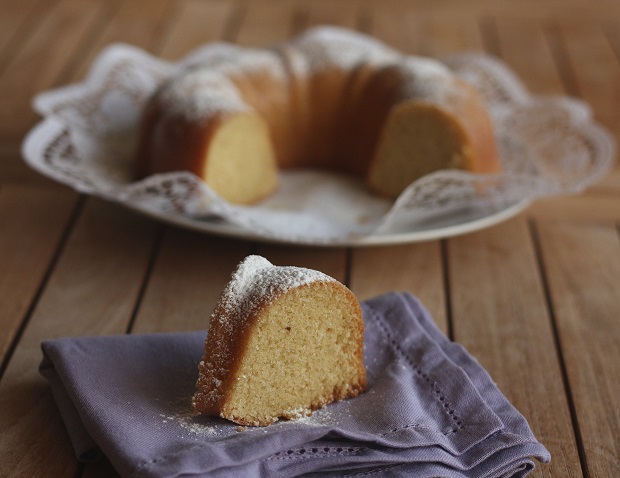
(548, 146)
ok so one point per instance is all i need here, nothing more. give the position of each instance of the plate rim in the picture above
(224, 229)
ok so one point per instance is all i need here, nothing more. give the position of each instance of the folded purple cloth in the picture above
(430, 410)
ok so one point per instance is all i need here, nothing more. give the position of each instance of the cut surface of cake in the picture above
(283, 341)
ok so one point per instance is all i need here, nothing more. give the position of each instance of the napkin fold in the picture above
(430, 410)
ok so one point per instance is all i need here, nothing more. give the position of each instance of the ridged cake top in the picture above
(331, 46)
(256, 281)
(208, 88)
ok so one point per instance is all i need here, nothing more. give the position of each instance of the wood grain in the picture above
(399, 29)
(137, 23)
(585, 208)
(596, 68)
(413, 268)
(594, 73)
(446, 33)
(329, 13)
(195, 23)
(32, 225)
(524, 46)
(38, 63)
(583, 271)
(264, 24)
(18, 19)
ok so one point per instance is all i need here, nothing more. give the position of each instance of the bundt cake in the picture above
(282, 342)
(329, 98)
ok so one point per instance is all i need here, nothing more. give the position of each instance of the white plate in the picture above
(548, 146)
(435, 227)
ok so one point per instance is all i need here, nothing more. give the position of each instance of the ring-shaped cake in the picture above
(328, 99)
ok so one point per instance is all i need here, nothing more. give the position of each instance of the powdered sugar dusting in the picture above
(188, 423)
(257, 280)
(426, 79)
(210, 87)
(200, 93)
(330, 46)
(202, 90)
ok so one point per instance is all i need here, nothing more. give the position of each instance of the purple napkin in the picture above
(430, 410)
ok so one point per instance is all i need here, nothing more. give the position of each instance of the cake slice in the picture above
(282, 342)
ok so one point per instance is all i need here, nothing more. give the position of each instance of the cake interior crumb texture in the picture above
(297, 357)
(437, 136)
(229, 173)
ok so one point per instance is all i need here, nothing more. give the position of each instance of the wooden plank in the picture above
(32, 224)
(563, 9)
(591, 70)
(583, 271)
(18, 19)
(446, 34)
(40, 63)
(611, 28)
(595, 67)
(323, 12)
(14, 170)
(414, 268)
(137, 23)
(398, 28)
(612, 31)
(500, 315)
(187, 279)
(523, 45)
(590, 207)
(21, 380)
(92, 290)
(197, 22)
(427, 32)
(265, 23)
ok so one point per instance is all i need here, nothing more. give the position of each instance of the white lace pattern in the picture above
(548, 145)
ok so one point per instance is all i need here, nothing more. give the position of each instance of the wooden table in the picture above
(535, 299)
